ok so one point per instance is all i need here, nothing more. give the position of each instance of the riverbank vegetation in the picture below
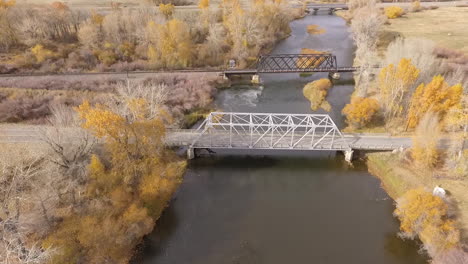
(56, 38)
(90, 193)
(419, 92)
(30, 99)
(316, 92)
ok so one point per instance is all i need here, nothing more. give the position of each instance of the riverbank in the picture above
(398, 177)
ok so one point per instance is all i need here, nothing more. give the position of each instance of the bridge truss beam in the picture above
(269, 131)
(297, 63)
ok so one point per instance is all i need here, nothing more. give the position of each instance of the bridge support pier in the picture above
(334, 75)
(190, 153)
(256, 79)
(348, 154)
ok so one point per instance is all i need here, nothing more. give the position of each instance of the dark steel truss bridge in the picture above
(293, 63)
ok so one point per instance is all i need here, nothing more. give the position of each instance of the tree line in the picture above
(54, 38)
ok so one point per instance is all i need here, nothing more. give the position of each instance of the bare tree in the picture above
(19, 185)
(366, 26)
(154, 95)
(419, 51)
(70, 148)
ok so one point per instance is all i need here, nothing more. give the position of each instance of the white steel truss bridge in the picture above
(262, 131)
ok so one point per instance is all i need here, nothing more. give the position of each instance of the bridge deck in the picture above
(185, 137)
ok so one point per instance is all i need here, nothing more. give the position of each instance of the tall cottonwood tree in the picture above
(437, 96)
(395, 83)
(171, 45)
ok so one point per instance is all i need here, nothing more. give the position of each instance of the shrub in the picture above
(107, 56)
(316, 92)
(360, 111)
(166, 9)
(41, 53)
(394, 12)
(416, 6)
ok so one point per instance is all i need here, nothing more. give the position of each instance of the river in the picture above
(284, 207)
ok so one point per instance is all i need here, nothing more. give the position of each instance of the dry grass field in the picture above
(447, 26)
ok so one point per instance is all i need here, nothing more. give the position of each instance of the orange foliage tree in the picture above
(360, 111)
(425, 215)
(437, 96)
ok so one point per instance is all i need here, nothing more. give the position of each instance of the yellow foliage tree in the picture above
(316, 92)
(204, 4)
(425, 215)
(167, 10)
(394, 12)
(360, 111)
(41, 54)
(394, 85)
(128, 187)
(171, 44)
(437, 97)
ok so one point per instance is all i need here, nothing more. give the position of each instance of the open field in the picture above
(446, 26)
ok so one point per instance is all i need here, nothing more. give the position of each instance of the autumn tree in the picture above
(437, 97)
(426, 216)
(204, 4)
(395, 84)
(360, 111)
(419, 51)
(425, 142)
(171, 44)
(129, 185)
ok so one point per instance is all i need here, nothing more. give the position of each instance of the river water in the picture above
(284, 207)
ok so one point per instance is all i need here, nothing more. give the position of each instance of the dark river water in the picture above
(281, 207)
